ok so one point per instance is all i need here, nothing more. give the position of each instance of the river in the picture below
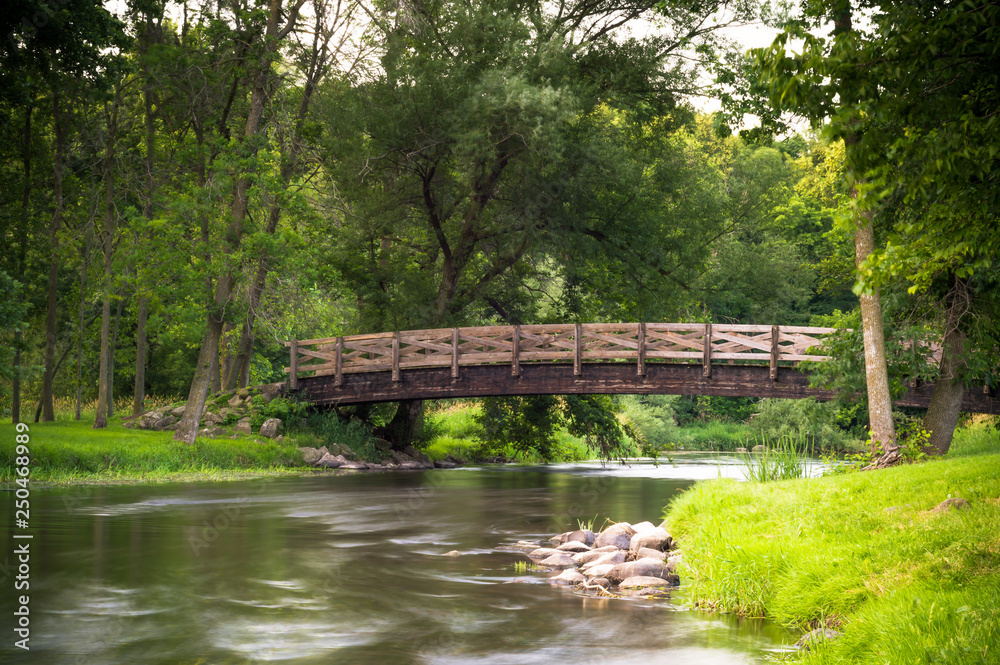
(353, 569)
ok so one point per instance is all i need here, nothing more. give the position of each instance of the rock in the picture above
(270, 427)
(372, 466)
(640, 582)
(585, 536)
(244, 427)
(444, 464)
(225, 412)
(235, 401)
(641, 568)
(655, 538)
(759, 448)
(543, 552)
(600, 581)
(280, 438)
(311, 455)
(329, 461)
(647, 553)
(560, 560)
(418, 456)
(587, 557)
(817, 636)
(164, 423)
(956, 503)
(674, 561)
(527, 544)
(128, 424)
(568, 577)
(453, 553)
(598, 571)
(208, 418)
(178, 411)
(741, 449)
(619, 535)
(244, 393)
(612, 558)
(561, 538)
(212, 432)
(351, 464)
(149, 419)
(643, 526)
(411, 465)
(573, 546)
(648, 592)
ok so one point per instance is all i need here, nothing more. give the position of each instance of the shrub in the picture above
(801, 420)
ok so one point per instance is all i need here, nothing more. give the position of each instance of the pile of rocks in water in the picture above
(239, 410)
(634, 560)
(334, 456)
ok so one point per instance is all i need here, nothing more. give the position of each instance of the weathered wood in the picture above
(338, 363)
(515, 352)
(395, 356)
(641, 350)
(578, 350)
(707, 359)
(774, 353)
(455, 351)
(293, 375)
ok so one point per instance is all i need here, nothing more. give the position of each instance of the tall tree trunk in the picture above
(949, 389)
(139, 391)
(83, 304)
(48, 411)
(15, 403)
(107, 242)
(187, 428)
(112, 345)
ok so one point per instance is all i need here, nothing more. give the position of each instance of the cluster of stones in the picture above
(635, 560)
(335, 456)
(239, 404)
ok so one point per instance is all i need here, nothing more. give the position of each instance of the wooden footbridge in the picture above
(588, 358)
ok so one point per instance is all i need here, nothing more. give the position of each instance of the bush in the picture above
(715, 435)
(801, 420)
(653, 418)
(332, 429)
(289, 411)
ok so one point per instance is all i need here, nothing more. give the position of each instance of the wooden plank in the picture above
(641, 365)
(529, 356)
(707, 351)
(578, 350)
(395, 356)
(338, 366)
(696, 355)
(515, 353)
(454, 353)
(749, 342)
(774, 352)
(293, 368)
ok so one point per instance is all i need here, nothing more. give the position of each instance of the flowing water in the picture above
(355, 568)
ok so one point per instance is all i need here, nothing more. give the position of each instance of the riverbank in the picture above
(865, 554)
(72, 452)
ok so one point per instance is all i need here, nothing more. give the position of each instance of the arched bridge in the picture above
(588, 358)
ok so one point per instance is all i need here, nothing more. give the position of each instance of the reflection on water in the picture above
(353, 569)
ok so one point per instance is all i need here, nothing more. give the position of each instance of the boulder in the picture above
(270, 427)
(411, 465)
(741, 449)
(954, 503)
(560, 560)
(568, 577)
(573, 546)
(598, 571)
(759, 448)
(587, 557)
(235, 401)
(244, 427)
(244, 393)
(543, 552)
(212, 432)
(444, 464)
(164, 422)
(225, 412)
(599, 581)
(178, 411)
(647, 553)
(328, 461)
(209, 418)
(816, 636)
(643, 526)
(585, 536)
(654, 538)
(647, 592)
(640, 582)
(149, 419)
(612, 558)
(641, 568)
(619, 535)
(351, 464)
(312, 455)
(418, 456)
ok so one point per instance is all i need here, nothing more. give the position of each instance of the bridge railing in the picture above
(579, 344)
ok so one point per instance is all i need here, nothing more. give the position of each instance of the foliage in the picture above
(652, 417)
(863, 551)
(801, 420)
(781, 459)
(714, 435)
(288, 409)
(331, 428)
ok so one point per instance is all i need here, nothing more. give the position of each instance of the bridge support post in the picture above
(338, 363)
(515, 352)
(293, 368)
(641, 348)
(707, 352)
(578, 350)
(395, 356)
(454, 353)
(774, 352)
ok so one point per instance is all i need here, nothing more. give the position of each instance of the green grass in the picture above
(861, 551)
(71, 451)
(714, 435)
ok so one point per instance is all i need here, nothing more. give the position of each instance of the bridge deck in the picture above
(621, 358)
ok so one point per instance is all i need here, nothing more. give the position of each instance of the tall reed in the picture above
(780, 460)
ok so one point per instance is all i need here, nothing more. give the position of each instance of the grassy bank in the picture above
(862, 552)
(68, 451)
